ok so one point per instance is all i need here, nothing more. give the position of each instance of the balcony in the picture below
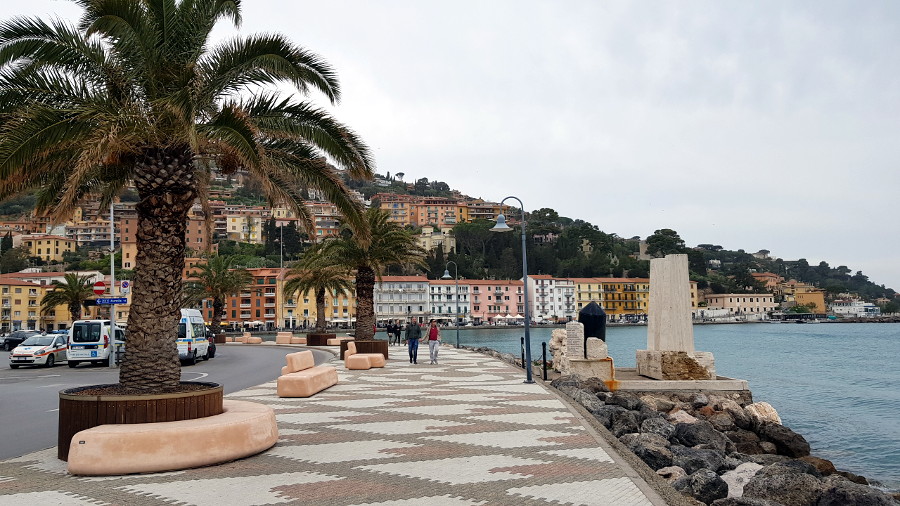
(290, 304)
(246, 306)
(269, 304)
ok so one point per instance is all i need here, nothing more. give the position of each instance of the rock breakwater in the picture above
(722, 450)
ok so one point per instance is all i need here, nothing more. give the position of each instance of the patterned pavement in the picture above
(467, 431)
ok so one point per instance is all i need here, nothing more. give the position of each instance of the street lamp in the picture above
(501, 226)
(456, 294)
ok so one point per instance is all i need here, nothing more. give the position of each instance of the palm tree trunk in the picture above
(166, 187)
(216, 323)
(365, 299)
(75, 311)
(320, 310)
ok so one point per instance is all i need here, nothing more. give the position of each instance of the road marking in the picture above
(52, 410)
(201, 374)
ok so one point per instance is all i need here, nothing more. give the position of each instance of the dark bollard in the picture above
(544, 358)
(593, 317)
(522, 339)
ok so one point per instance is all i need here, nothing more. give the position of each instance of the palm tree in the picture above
(215, 280)
(72, 292)
(387, 244)
(314, 273)
(137, 94)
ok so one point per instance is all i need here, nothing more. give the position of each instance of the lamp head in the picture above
(446, 274)
(501, 225)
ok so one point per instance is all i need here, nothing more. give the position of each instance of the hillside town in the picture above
(475, 302)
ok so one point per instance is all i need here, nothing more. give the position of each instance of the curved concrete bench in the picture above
(283, 338)
(244, 429)
(301, 377)
(356, 361)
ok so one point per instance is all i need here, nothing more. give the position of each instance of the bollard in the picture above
(522, 339)
(544, 358)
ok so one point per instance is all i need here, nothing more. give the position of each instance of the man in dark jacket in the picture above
(413, 333)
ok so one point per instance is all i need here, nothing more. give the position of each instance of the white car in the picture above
(44, 350)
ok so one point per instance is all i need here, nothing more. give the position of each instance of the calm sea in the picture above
(837, 384)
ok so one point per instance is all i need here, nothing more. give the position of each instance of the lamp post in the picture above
(456, 294)
(501, 226)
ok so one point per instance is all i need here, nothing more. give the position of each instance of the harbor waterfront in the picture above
(835, 384)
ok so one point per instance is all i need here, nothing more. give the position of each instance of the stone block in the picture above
(676, 365)
(596, 348)
(593, 368)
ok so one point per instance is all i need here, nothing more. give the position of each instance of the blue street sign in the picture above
(112, 300)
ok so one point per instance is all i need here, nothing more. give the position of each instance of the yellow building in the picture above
(49, 248)
(623, 299)
(812, 298)
(20, 307)
(299, 310)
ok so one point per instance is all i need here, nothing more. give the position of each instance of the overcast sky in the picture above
(752, 125)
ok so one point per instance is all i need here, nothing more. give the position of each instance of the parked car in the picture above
(16, 338)
(39, 349)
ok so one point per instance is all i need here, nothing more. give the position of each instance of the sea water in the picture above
(836, 384)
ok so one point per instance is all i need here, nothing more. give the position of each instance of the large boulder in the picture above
(681, 416)
(595, 385)
(651, 448)
(785, 440)
(624, 422)
(588, 399)
(738, 477)
(762, 412)
(745, 441)
(658, 426)
(671, 473)
(838, 491)
(627, 400)
(795, 466)
(722, 421)
(700, 433)
(789, 489)
(740, 417)
(606, 414)
(568, 384)
(707, 486)
(658, 403)
(825, 467)
(692, 459)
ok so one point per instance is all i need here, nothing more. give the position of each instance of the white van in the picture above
(192, 339)
(92, 341)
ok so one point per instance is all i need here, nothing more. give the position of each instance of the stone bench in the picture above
(243, 429)
(283, 338)
(301, 377)
(335, 341)
(298, 340)
(253, 340)
(361, 361)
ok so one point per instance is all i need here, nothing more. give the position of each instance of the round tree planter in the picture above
(375, 346)
(79, 412)
(316, 339)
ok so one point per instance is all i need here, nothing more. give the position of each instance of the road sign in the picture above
(125, 284)
(125, 287)
(99, 287)
(112, 300)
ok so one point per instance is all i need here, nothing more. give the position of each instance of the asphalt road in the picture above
(29, 399)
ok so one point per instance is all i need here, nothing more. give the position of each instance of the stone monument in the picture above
(670, 353)
(598, 363)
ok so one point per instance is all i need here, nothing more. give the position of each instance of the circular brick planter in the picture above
(79, 412)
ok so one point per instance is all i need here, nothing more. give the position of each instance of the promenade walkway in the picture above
(464, 432)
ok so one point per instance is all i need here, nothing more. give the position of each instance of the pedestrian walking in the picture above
(398, 327)
(413, 333)
(390, 332)
(434, 341)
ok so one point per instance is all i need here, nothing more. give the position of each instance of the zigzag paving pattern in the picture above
(464, 432)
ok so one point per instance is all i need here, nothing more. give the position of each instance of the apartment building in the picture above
(256, 305)
(49, 248)
(431, 240)
(441, 212)
(623, 299)
(747, 306)
(552, 299)
(449, 299)
(854, 308)
(494, 301)
(402, 297)
(20, 307)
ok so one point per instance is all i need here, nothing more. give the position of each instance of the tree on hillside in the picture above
(367, 256)
(215, 279)
(664, 241)
(137, 94)
(72, 292)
